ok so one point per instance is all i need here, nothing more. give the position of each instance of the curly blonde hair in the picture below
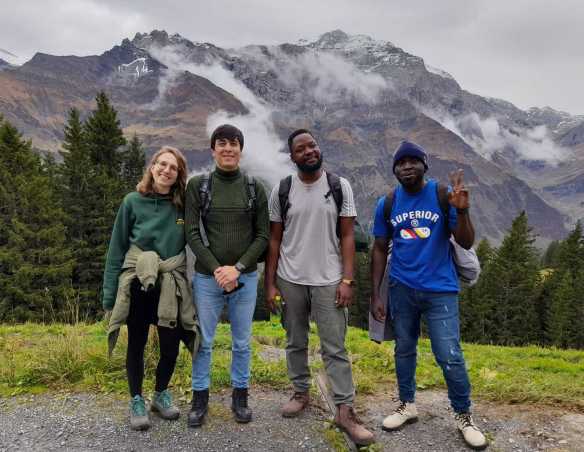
(177, 191)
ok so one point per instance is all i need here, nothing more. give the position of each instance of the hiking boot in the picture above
(296, 404)
(473, 437)
(405, 413)
(347, 420)
(162, 403)
(239, 405)
(199, 408)
(139, 419)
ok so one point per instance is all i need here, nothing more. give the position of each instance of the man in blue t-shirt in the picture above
(423, 282)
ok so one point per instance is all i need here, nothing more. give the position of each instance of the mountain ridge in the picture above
(359, 95)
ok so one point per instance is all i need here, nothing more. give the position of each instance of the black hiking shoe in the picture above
(199, 408)
(239, 405)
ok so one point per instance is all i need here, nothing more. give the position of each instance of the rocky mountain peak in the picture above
(339, 40)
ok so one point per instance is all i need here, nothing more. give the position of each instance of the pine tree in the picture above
(550, 257)
(35, 261)
(104, 136)
(485, 253)
(475, 306)
(133, 163)
(560, 318)
(561, 291)
(509, 288)
(515, 285)
(577, 317)
(92, 190)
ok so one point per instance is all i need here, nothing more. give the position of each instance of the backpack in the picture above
(466, 261)
(336, 191)
(205, 186)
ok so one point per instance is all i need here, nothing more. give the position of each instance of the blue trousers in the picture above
(209, 299)
(440, 311)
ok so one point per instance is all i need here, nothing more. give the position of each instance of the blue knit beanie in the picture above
(409, 149)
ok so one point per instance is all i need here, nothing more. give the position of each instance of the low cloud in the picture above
(487, 136)
(322, 76)
(261, 156)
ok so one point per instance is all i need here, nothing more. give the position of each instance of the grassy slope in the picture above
(38, 357)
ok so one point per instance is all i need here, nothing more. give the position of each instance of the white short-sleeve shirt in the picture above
(310, 251)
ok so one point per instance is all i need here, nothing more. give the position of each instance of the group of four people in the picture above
(306, 225)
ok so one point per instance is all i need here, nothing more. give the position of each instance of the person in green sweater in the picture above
(147, 253)
(227, 241)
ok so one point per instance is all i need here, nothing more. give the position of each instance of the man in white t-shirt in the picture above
(309, 269)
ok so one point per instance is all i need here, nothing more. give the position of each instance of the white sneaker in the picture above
(470, 432)
(405, 413)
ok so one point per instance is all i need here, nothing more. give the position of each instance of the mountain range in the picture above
(360, 96)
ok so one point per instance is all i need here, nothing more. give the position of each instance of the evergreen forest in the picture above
(56, 219)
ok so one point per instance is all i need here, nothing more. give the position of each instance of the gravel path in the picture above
(510, 428)
(87, 422)
(90, 422)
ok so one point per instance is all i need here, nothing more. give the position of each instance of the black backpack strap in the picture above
(283, 197)
(387, 206)
(250, 188)
(442, 194)
(205, 186)
(336, 190)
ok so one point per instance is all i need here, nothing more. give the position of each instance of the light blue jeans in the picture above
(209, 300)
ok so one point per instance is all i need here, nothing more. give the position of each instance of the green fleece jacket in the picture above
(152, 223)
(235, 232)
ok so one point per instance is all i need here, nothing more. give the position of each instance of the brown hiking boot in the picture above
(296, 404)
(347, 420)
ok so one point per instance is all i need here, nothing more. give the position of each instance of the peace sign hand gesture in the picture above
(458, 197)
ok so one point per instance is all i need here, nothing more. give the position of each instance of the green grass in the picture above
(37, 358)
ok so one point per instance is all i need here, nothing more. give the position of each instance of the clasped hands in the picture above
(226, 276)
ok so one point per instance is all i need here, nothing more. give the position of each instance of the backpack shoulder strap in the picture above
(283, 195)
(442, 194)
(336, 189)
(250, 188)
(387, 206)
(205, 193)
(205, 197)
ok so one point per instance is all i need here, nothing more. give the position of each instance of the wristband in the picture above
(348, 282)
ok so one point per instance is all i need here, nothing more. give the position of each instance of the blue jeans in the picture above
(440, 310)
(209, 300)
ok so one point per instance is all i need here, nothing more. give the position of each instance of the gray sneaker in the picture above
(162, 403)
(139, 419)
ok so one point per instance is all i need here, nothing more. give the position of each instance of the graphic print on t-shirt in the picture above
(415, 233)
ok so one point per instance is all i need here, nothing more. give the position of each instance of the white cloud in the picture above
(487, 136)
(261, 156)
(328, 78)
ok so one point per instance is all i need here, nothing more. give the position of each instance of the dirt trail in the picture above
(91, 422)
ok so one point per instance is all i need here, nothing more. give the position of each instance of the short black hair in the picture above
(295, 134)
(226, 132)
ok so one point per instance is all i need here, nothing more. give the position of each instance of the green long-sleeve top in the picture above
(235, 232)
(151, 222)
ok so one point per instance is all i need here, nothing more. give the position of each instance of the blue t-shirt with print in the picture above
(421, 256)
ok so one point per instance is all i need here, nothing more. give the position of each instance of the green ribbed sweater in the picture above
(230, 228)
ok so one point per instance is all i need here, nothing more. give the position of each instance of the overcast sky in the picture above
(529, 52)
